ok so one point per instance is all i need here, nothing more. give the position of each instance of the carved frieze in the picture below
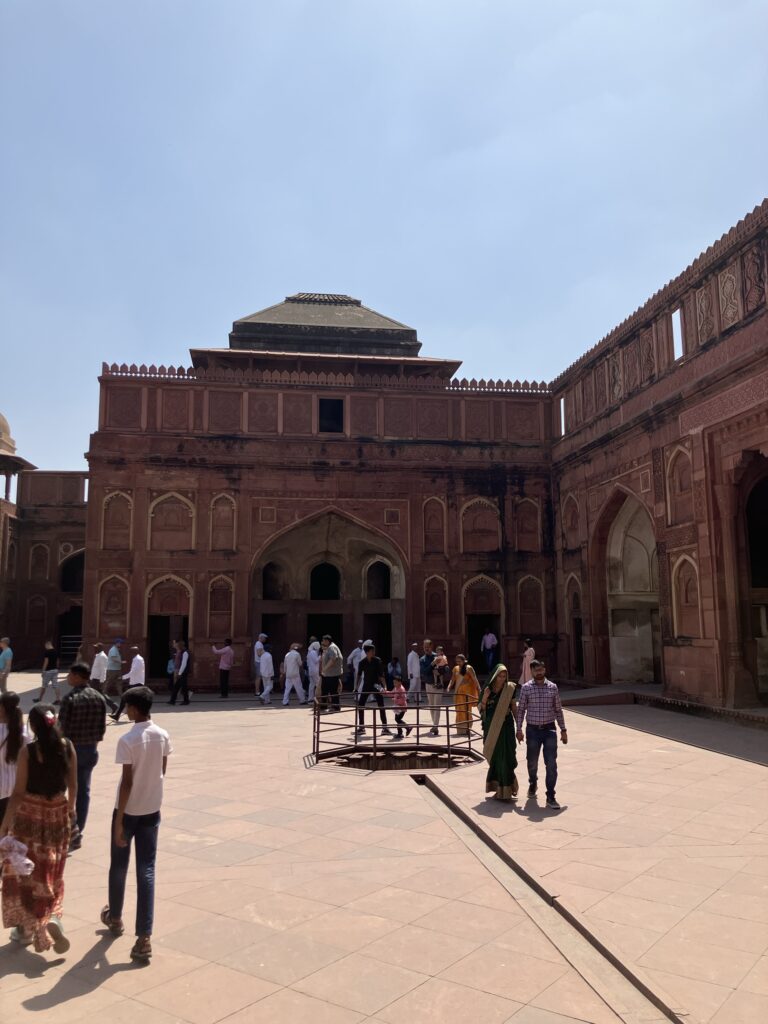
(476, 420)
(175, 409)
(615, 381)
(224, 411)
(397, 417)
(124, 408)
(705, 317)
(601, 395)
(588, 396)
(728, 293)
(631, 367)
(262, 412)
(647, 357)
(754, 279)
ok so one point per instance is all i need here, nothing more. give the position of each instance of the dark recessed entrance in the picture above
(162, 631)
(320, 623)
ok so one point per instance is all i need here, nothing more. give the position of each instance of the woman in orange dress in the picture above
(464, 683)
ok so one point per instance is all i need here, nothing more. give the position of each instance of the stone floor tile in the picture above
(216, 936)
(478, 924)
(668, 893)
(360, 983)
(218, 896)
(399, 904)
(414, 947)
(289, 1007)
(700, 961)
(747, 884)
(207, 995)
(535, 1015)
(698, 999)
(502, 972)
(67, 998)
(127, 1011)
(701, 926)
(730, 904)
(335, 889)
(742, 1008)
(278, 910)
(593, 876)
(284, 958)
(631, 911)
(577, 897)
(757, 979)
(452, 884)
(443, 1002)
(110, 966)
(346, 928)
(571, 994)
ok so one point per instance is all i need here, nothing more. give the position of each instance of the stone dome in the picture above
(7, 444)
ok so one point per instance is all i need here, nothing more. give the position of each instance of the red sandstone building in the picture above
(319, 475)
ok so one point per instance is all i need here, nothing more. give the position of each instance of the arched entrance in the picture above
(756, 525)
(69, 626)
(330, 574)
(628, 627)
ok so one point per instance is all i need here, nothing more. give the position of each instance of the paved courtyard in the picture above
(295, 894)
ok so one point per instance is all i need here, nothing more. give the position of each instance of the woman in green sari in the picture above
(497, 709)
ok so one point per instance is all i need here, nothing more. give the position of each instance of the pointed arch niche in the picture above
(116, 521)
(527, 517)
(530, 605)
(113, 608)
(679, 488)
(483, 607)
(223, 522)
(480, 527)
(38, 562)
(220, 607)
(434, 526)
(37, 617)
(574, 619)
(571, 522)
(171, 523)
(436, 608)
(686, 604)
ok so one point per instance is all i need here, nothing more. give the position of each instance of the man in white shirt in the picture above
(99, 668)
(135, 676)
(143, 752)
(258, 650)
(313, 669)
(267, 675)
(292, 673)
(181, 674)
(414, 675)
(488, 646)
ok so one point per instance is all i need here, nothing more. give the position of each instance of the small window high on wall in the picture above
(330, 415)
(562, 417)
(677, 335)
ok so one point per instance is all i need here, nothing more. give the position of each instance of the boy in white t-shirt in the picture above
(143, 752)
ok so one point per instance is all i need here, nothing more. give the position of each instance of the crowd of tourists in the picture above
(46, 766)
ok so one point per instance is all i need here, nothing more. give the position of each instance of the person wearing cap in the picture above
(540, 705)
(414, 674)
(370, 683)
(6, 662)
(135, 676)
(313, 668)
(331, 671)
(258, 650)
(113, 681)
(354, 660)
(291, 673)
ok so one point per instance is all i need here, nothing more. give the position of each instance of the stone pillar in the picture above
(739, 685)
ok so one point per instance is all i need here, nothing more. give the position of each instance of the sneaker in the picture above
(113, 716)
(359, 732)
(531, 792)
(35, 700)
(551, 802)
(408, 730)
(386, 731)
(434, 732)
(20, 937)
(75, 843)
(60, 940)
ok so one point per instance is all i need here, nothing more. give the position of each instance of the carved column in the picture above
(739, 684)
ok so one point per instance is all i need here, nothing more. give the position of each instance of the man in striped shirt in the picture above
(540, 704)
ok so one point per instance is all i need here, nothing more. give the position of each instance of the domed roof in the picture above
(7, 444)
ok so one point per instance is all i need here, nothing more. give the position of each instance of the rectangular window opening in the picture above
(331, 415)
(677, 334)
(562, 417)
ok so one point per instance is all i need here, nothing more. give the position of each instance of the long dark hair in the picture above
(12, 745)
(54, 754)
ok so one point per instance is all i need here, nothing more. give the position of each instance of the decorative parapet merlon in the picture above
(336, 380)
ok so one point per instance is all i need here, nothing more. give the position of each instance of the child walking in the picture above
(143, 752)
(399, 697)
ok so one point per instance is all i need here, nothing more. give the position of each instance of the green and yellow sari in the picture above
(499, 727)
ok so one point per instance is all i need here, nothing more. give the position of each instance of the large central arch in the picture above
(291, 593)
(626, 594)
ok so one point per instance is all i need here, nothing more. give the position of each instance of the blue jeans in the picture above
(536, 738)
(489, 654)
(143, 829)
(87, 759)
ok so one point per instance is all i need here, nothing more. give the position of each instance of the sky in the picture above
(511, 179)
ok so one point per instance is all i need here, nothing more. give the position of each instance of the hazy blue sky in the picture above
(512, 179)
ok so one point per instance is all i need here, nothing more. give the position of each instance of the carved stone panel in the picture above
(224, 412)
(477, 420)
(220, 609)
(363, 417)
(123, 408)
(172, 523)
(262, 412)
(647, 358)
(297, 414)
(728, 293)
(601, 394)
(615, 382)
(480, 528)
(434, 527)
(523, 422)
(113, 608)
(588, 396)
(705, 317)
(168, 597)
(754, 279)
(116, 522)
(530, 607)
(175, 409)
(222, 524)
(435, 608)
(631, 367)
(397, 417)
(432, 419)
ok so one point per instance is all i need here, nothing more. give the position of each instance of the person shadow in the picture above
(524, 807)
(88, 973)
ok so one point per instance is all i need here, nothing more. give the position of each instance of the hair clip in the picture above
(50, 717)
